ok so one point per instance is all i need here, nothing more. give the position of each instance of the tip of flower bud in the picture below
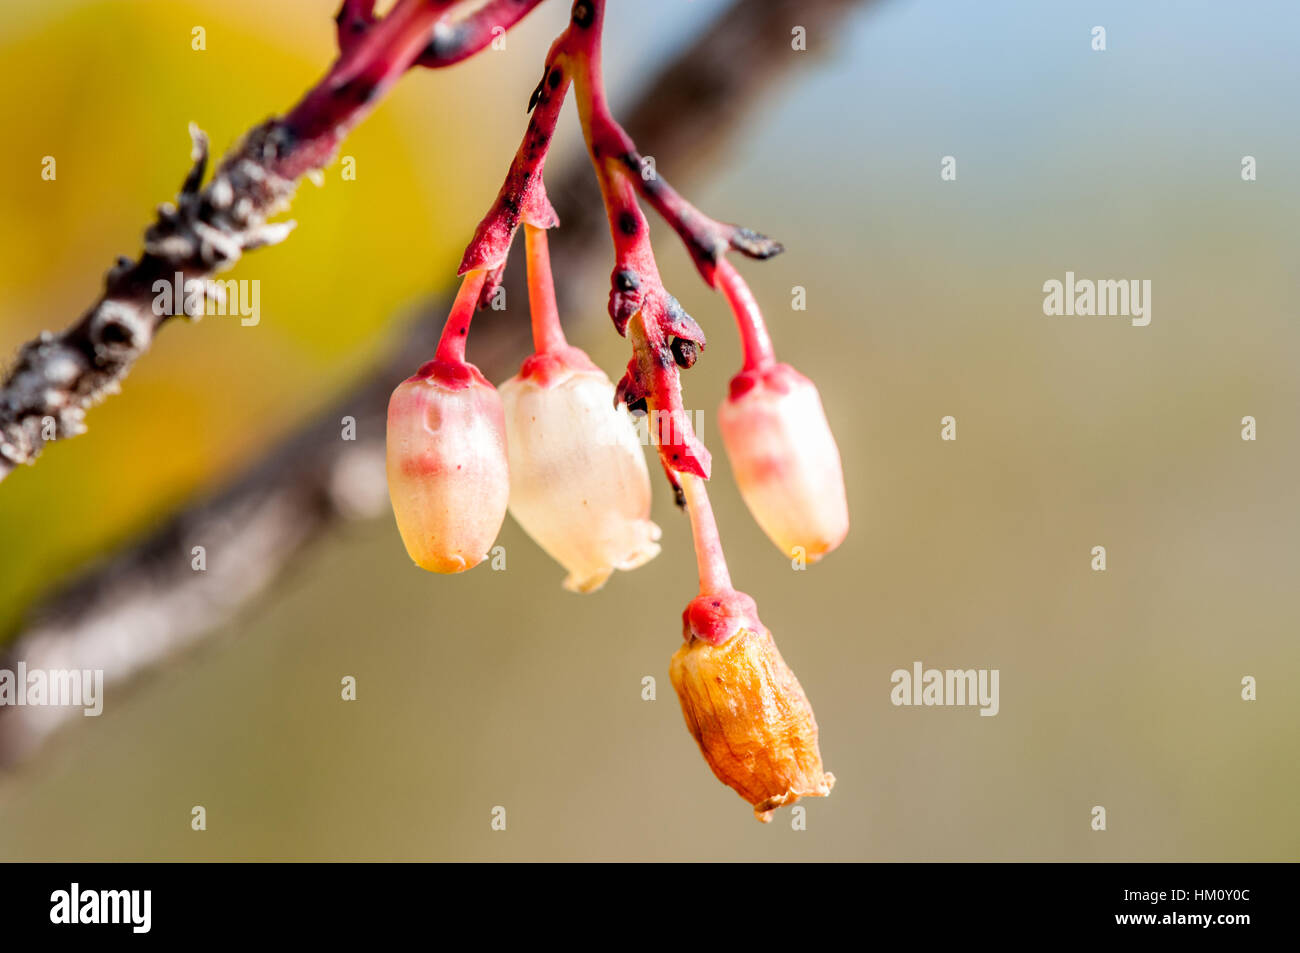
(773, 378)
(454, 375)
(716, 617)
(647, 549)
(553, 365)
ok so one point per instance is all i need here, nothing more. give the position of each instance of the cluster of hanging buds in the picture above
(556, 446)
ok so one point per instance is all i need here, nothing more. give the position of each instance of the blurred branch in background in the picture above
(146, 602)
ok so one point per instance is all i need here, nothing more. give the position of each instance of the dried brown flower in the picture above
(752, 721)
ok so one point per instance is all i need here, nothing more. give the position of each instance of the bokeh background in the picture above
(1119, 689)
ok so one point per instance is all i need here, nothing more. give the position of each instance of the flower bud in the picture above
(785, 460)
(448, 475)
(747, 711)
(579, 483)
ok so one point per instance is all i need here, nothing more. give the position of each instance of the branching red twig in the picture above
(56, 378)
(665, 338)
(755, 343)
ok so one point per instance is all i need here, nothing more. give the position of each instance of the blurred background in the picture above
(1119, 689)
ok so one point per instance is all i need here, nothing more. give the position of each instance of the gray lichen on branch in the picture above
(57, 378)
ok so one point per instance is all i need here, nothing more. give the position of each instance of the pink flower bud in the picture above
(448, 475)
(579, 483)
(785, 460)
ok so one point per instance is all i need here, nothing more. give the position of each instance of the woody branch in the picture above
(58, 377)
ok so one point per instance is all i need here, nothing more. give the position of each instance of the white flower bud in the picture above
(448, 476)
(579, 484)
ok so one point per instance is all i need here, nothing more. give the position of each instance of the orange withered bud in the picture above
(745, 707)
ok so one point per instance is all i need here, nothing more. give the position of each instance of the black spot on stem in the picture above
(684, 352)
(583, 14)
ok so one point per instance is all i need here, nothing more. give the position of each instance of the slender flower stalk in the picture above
(451, 345)
(755, 343)
(714, 576)
(548, 335)
(719, 612)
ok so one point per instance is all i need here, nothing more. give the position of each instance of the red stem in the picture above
(714, 577)
(451, 346)
(469, 35)
(666, 337)
(374, 54)
(607, 143)
(522, 197)
(754, 339)
(652, 375)
(359, 77)
(548, 335)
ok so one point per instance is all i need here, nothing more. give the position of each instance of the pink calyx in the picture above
(777, 378)
(716, 617)
(548, 368)
(451, 374)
